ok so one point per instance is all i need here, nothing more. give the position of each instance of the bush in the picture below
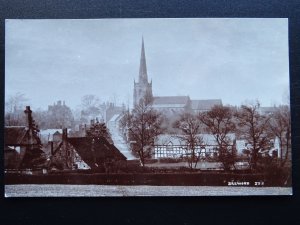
(170, 160)
(150, 161)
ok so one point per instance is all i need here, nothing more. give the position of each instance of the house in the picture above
(22, 145)
(175, 146)
(12, 158)
(97, 153)
(85, 153)
(273, 151)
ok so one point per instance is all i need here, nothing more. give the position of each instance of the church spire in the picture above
(142, 89)
(143, 77)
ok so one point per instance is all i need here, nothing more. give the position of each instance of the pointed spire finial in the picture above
(143, 77)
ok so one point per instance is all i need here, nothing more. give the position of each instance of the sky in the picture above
(236, 60)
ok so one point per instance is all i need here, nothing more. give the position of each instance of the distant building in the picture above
(59, 115)
(166, 104)
(204, 105)
(103, 113)
(112, 110)
(172, 104)
(267, 110)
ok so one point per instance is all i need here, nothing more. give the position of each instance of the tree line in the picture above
(57, 116)
(142, 126)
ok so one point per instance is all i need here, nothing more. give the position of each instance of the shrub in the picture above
(170, 160)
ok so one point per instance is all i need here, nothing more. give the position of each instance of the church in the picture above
(166, 104)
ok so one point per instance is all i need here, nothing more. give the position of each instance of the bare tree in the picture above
(41, 118)
(143, 126)
(220, 123)
(14, 105)
(91, 107)
(280, 125)
(189, 127)
(15, 102)
(255, 130)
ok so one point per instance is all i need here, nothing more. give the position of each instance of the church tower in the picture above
(142, 88)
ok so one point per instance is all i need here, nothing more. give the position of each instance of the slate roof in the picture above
(206, 104)
(14, 135)
(102, 150)
(161, 100)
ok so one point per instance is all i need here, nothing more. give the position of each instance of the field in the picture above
(34, 190)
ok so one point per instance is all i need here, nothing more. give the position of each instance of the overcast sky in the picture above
(232, 59)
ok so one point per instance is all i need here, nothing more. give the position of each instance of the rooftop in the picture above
(171, 100)
(206, 104)
(14, 135)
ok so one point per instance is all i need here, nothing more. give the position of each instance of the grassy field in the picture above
(33, 190)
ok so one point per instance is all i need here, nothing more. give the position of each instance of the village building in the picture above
(23, 147)
(15, 146)
(170, 146)
(97, 153)
(175, 146)
(25, 150)
(94, 149)
(273, 150)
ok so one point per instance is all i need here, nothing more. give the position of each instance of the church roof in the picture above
(206, 104)
(176, 100)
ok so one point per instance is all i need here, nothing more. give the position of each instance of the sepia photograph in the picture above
(147, 107)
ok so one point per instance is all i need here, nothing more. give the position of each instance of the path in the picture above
(118, 140)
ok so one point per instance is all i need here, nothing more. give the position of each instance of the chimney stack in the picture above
(51, 146)
(29, 117)
(65, 134)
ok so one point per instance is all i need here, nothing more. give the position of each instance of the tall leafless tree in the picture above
(189, 127)
(220, 123)
(280, 125)
(143, 125)
(14, 105)
(90, 108)
(254, 127)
